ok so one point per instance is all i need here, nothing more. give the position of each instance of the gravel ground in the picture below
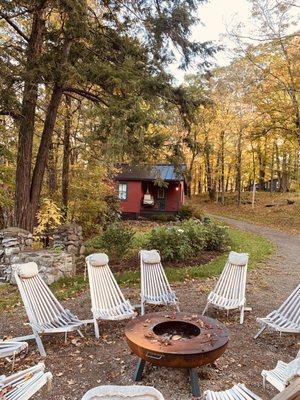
(81, 364)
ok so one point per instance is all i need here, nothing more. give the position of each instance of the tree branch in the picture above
(90, 96)
(14, 26)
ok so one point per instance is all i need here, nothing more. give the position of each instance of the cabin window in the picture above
(161, 193)
(123, 191)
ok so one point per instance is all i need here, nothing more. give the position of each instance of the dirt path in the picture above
(81, 364)
(286, 261)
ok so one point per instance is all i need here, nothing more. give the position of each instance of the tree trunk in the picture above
(222, 168)
(228, 178)
(272, 169)
(208, 168)
(41, 159)
(239, 169)
(66, 158)
(26, 131)
(52, 170)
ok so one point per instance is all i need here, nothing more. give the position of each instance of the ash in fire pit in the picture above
(176, 330)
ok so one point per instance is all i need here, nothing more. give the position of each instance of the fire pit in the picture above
(177, 340)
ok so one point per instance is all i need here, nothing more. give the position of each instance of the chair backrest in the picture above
(232, 282)
(290, 308)
(23, 384)
(123, 392)
(105, 291)
(41, 305)
(154, 281)
(9, 348)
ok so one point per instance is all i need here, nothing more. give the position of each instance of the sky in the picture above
(217, 16)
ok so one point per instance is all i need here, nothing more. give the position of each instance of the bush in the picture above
(196, 234)
(117, 240)
(188, 239)
(172, 243)
(163, 217)
(190, 211)
(216, 236)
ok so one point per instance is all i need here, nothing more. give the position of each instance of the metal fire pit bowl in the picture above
(177, 340)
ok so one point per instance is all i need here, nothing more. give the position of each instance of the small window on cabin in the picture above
(123, 190)
(161, 193)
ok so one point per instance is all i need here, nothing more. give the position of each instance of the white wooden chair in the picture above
(230, 290)
(282, 374)
(24, 384)
(123, 392)
(155, 287)
(10, 349)
(108, 302)
(46, 315)
(237, 392)
(286, 318)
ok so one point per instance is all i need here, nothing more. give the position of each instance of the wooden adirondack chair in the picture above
(286, 318)
(108, 302)
(237, 392)
(155, 287)
(11, 349)
(282, 374)
(240, 392)
(46, 315)
(229, 292)
(24, 384)
(123, 392)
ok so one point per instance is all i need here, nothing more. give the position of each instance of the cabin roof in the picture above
(165, 172)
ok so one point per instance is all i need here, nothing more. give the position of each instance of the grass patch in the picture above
(281, 215)
(258, 247)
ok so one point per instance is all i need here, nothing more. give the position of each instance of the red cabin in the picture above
(149, 190)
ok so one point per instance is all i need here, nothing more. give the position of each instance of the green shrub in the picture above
(216, 236)
(172, 242)
(163, 217)
(190, 211)
(117, 240)
(196, 234)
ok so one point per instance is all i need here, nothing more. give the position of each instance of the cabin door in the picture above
(161, 198)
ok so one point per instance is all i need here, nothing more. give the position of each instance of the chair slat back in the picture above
(41, 305)
(105, 291)
(154, 282)
(232, 281)
(290, 308)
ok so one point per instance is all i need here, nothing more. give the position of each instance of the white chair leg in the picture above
(177, 307)
(242, 316)
(96, 327)
(264, 382)
(142, 308)
(40, 344)
(260, 331)
(205, 309)
(80, 333)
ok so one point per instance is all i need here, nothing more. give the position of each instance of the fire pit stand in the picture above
(176, 340)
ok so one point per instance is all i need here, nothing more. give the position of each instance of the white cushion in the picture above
(150, 256)
(238, 258)
(98, 259)
(293, 369)
(27, 270)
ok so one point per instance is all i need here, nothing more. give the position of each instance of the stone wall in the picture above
(69, 238)
(15, 247)
(12, 241)
(52, 264)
